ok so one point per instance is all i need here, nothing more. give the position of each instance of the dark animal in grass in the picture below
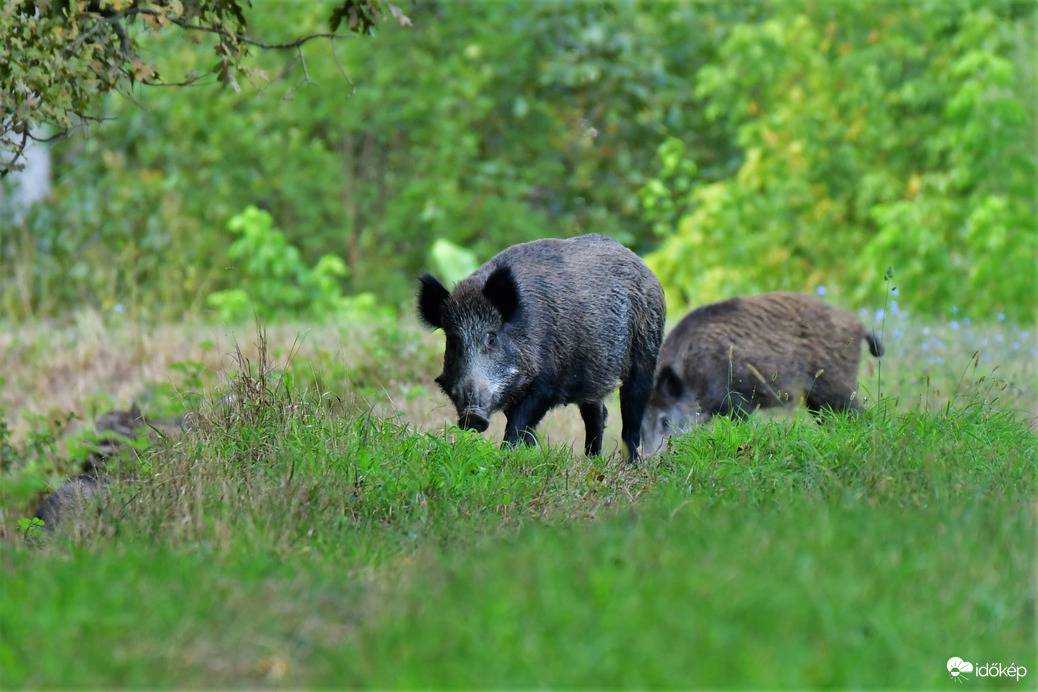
(548, 323)
(115, 430)
(68, 499)
(738, 355)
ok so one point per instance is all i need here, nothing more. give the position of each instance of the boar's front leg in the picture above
(522, 419)
(594, 415)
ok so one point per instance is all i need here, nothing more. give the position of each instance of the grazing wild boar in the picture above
(738, 355)
(548, 323)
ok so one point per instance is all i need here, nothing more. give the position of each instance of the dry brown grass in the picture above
(83, 368)
(90, 364)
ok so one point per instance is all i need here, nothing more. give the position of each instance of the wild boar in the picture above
(69, 499)
(738, 355)
(548, 323)
(115, 430)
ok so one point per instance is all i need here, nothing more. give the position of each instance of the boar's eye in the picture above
(490, 339)
(665, 422)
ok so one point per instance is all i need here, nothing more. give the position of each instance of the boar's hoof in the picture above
(474, 421)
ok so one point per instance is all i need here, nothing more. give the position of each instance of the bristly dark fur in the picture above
(569, 318)
(431, 297)
(70, 497)
(502, 292)
(773, 349)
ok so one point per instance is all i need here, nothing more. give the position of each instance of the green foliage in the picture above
(60, 58)
(31, 528)
(872, 135)
(754, 146)
(27, 469)
(663, 197)
(484, 125)
(450, 262)
(273, 282)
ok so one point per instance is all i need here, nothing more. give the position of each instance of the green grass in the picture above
(301, 548)
(299, 539)
(806, 596)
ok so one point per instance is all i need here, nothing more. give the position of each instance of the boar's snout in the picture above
(474, 408)
(473, 420)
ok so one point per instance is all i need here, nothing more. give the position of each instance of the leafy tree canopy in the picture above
(874, 135)
(58, 57)
(754, 146)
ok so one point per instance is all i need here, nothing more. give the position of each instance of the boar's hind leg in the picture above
(523, 419)
(594, 415)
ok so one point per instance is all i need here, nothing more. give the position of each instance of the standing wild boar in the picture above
(738, 355)
(548, 323)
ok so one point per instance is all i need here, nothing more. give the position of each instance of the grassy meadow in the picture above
(322, 525)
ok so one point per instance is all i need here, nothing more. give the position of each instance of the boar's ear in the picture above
(669, 384)
(431, 297)
(502, 291)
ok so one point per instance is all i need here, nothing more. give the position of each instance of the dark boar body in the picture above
(115, 432)
(69, 498)
(548, 323)
(738, 355)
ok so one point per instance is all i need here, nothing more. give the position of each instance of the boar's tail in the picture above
(875, 345)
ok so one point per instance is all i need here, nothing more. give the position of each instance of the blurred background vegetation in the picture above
(737, 146)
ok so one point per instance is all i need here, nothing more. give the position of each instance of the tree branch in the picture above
(304, 80)
(241, 38)
(19, 152)
(117, 58)
(342, 69)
